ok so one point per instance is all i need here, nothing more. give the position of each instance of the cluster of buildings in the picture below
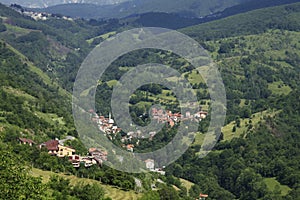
(94, 157)
(173, 118)
(108, 127)
(44, 16)
(38, 15)
(105, 125)
(57, 148)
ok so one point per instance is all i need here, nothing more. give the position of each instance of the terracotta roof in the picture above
(92, 150)
(203, 195)
(129, 146)
(91, 111)
(27, 140)
(149, 160)
(51, 145)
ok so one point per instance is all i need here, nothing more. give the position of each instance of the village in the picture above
(38, 15)
(107, 126)
(94, 156)
(57, 148)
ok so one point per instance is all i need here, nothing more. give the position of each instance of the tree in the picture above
(88, 191)
(16, 183)
(151, 195)
(234, 129)
(226, 47)
(168, 193)
(250, 185)
(59, 183)
(78, 145)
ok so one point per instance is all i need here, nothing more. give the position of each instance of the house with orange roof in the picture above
(51, 146)
(130, 147)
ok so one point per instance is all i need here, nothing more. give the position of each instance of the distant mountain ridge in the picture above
(175, 21)
(186, 8)
(47, 3)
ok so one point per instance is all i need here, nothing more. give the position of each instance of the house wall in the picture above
(65, 151)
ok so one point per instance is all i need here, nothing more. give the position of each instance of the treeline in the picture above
(254, 22)
(39, 158)
(237, 168)
(56, 45)
(18, 183)
(19, 111)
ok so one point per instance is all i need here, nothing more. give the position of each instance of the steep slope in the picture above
(29, 99)
(56, 45)
(258, 56)
(34, 106)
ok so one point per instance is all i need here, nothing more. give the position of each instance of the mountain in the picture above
(256, 21)
(187, 8)
(176, 21)
(257, 155)
(35, 106)
(47, 3)
(26, 84)
(257, 54)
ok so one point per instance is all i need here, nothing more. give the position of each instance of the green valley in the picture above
(257, 155)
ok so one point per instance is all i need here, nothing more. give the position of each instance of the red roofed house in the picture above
(171, 123)
(26, 141)
(54, 148)
(51, 146)
(203, 196)
(98, 155)
(130, 147)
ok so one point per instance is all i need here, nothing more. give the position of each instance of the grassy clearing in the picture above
(125, 68)
(166, 95)
(187, 184)
(195, 77)
(104, 36)
(18, 31)
(255, 119)
(19, 93)
(86, 92)
(199, 138)
(47, 80)
(279, 88)
(112, 192)
(242, 104)
(144, 104)
(273, 185)
(205, 106)
(51, 118)
(112, 83)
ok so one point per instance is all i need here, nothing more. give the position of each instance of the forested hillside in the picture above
(35, 107)
(258, 55)
(186, 8)
(257, 155)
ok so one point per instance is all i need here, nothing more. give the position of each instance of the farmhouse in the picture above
(26, 141)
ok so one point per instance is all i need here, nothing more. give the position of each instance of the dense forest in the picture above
(256, 157)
